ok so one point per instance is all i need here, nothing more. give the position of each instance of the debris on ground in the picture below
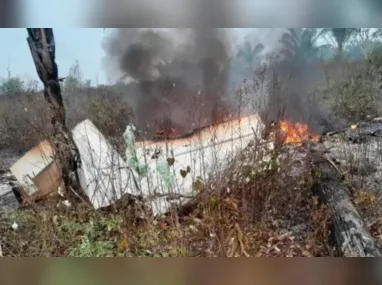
(218, 165)
(103, 173)
(356, 152)
(162, 172)
(8, 199)
(37, 172)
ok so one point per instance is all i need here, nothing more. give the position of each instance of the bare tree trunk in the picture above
(42, 47)
(351, 234)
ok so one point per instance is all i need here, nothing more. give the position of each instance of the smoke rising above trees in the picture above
(177, 73)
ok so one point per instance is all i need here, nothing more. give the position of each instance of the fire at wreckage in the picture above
(162, 171)
(165, 172)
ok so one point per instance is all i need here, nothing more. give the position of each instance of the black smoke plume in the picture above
(179, 77)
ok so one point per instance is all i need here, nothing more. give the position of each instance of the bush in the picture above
(358, 98)
(106, 108)
(25, 120)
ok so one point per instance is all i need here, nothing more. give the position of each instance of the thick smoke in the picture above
(291, 94)
(180, 75)
(186, 78)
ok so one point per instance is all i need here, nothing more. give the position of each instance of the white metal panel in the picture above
(205, 153)
(31, 164)
(103, 173)
(106, 176)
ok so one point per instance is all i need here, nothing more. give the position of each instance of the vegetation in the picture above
(301, 45)
(250, 54)
(358, 98)
(242, 212)
(12, 85)
(341, 37)
(249, 213)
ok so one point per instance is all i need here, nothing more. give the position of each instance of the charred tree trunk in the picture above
(42, 46)
(351, 235)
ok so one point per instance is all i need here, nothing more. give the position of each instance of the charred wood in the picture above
(351, 235)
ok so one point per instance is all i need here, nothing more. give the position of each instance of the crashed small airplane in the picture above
(161, 171)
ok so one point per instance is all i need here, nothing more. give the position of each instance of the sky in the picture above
(72, 44)
(82, 44)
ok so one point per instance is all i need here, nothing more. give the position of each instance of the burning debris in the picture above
(169, 172)
(287, 132)
(296, 133)
(353, 155)
(164, 167)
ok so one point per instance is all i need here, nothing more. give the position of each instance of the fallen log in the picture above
(351, 235)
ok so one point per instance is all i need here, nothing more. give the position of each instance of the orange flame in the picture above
(296, 132)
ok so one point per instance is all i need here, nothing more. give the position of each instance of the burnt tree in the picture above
(42, 46)
(350, 232)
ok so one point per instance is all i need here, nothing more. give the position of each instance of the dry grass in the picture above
(260, 206)
(25, 120)
(257, 207)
